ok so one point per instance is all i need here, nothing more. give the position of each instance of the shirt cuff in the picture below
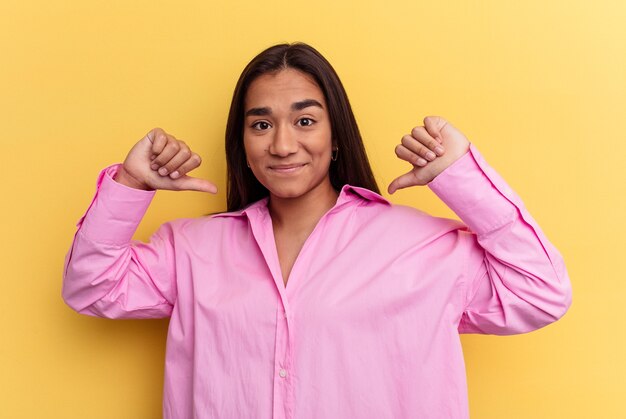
(476, 193)
(115, 211)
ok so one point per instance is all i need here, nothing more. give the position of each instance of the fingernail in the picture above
(154, 166)
(439, 150)
(174, 174)
(163, 171)
(430, 155)
(421, 162)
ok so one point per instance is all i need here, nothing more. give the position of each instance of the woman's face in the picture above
(287, 134)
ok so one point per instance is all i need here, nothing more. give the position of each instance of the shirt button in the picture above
(282, 373)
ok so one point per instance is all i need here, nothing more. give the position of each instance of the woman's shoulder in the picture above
(202, 231)
(374, 208)
(214, 222)
(411, 217)
(210, 221)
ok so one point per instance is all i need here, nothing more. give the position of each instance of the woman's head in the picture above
(351, 165)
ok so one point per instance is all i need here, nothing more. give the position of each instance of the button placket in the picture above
(283, 391)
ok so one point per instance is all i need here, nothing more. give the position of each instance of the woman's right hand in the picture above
(160, 161)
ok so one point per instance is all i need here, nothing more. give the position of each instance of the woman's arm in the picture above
(515, 280)
(106, 273)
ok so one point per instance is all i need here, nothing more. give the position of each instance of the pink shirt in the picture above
(368, 324)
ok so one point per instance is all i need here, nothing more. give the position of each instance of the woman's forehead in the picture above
(282, 88)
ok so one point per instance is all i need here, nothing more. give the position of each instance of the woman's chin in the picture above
(287, 193)
(297, 188)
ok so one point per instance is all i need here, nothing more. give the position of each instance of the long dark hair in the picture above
(351, 167)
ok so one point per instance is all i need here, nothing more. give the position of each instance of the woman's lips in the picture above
(287, 168)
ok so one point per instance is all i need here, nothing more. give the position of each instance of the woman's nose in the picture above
(284, 142)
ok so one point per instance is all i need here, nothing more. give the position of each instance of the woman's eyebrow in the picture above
(298, 106)
(259, 111)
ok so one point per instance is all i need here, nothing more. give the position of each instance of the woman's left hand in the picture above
(430, 148)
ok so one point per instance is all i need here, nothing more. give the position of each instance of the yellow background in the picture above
(538, 86)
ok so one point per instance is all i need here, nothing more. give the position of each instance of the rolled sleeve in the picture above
(475, 193)
(123, 209)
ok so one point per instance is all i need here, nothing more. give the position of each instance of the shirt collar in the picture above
(348, 193)
(260, 204)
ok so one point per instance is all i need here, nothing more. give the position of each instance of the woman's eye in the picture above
(305, 122)
(261, 125)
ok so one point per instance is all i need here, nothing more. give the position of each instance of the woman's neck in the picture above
(302, 213)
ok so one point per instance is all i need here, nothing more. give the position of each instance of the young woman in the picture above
(314, 296)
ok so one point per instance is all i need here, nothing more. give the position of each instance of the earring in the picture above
(335, 153)
(247, 163)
